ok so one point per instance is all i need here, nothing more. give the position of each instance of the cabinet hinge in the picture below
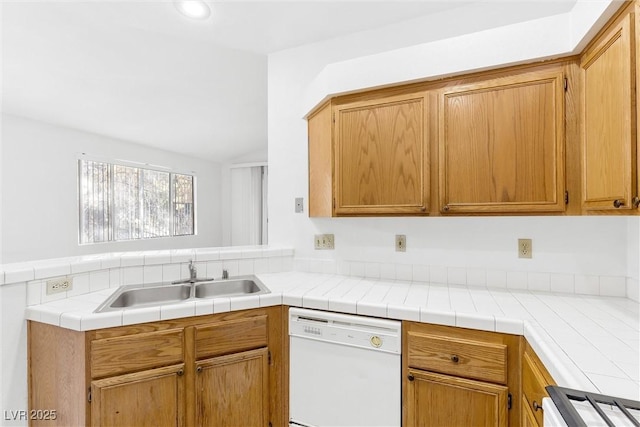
(509, 401)
(269, 357)
(89, 395)
(333, 117)
(566, 197)
(566, 84)
(270, 425)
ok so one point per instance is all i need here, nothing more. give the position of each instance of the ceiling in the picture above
(140, 72)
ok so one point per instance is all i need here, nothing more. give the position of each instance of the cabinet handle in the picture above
(618, 203)
(445, 208)
(455, 358)
(181, 372)
(199, 369)
(423, 209)
(636, 201)
(411, 377)
(536, 407)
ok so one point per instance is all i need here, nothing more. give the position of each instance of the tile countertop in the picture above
(586, 342)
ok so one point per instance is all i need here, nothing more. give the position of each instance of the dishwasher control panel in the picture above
(357, 331)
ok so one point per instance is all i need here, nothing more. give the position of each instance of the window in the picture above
(126, 203)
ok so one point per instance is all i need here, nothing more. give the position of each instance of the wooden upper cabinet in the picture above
(520, 140)
(381, 157)
(609, 120)
(320, 128)
(501, 145)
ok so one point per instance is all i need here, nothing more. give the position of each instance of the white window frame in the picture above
(110, 228)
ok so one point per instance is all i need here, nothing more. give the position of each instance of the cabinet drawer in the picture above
(457, 356)
(130, 353)
(533, 386)
(231, 336)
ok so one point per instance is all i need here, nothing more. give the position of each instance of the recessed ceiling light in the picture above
(196, 9)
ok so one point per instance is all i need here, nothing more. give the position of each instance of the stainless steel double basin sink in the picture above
(136, 296)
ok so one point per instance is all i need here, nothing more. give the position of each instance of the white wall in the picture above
(39, 207)
(463, 51)
(2, 381)
(13, 356)
(575, 245)
(633, 259)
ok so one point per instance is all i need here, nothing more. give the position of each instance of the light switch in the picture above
(299, 204)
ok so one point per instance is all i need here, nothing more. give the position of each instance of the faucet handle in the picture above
(225, 274)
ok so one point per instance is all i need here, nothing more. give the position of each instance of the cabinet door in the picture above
(533, 386)
(528, 417)
(609, 146)
(501, 145)
(381, 163)
(149, 398)
(442, 400)
(233, 390)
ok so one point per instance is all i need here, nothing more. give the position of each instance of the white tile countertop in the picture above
(586, 342)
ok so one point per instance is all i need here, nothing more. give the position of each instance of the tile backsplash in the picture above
(99, 272)
(618, 286)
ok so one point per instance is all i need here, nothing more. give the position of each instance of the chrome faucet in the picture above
(193, 271)
(193, 276)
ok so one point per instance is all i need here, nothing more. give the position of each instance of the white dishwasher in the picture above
(344, 370)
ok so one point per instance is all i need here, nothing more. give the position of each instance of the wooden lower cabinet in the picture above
(149, 398)
(535, 378)
(528, 417)
(443, 400)
(233, 390)
(219, 370)
(459, 377)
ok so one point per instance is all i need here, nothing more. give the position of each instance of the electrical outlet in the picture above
(299, 205)
(401, 243)
(61, 284)
(323, 241)
(525, 250)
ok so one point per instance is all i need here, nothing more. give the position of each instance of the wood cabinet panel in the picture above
(528, 417)
(460, 357)
(442, 400)
(534, 380)
(533, 386)
(57, 374)
(501, 145)
(60, 369)
(609, 142)
(130, 353)
(233, 390)
(478, 388)
(320, 126)
(381, 157)
(231, 336)
(150, 398)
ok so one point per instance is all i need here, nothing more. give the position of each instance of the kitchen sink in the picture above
(230, 288)
(135, 296)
